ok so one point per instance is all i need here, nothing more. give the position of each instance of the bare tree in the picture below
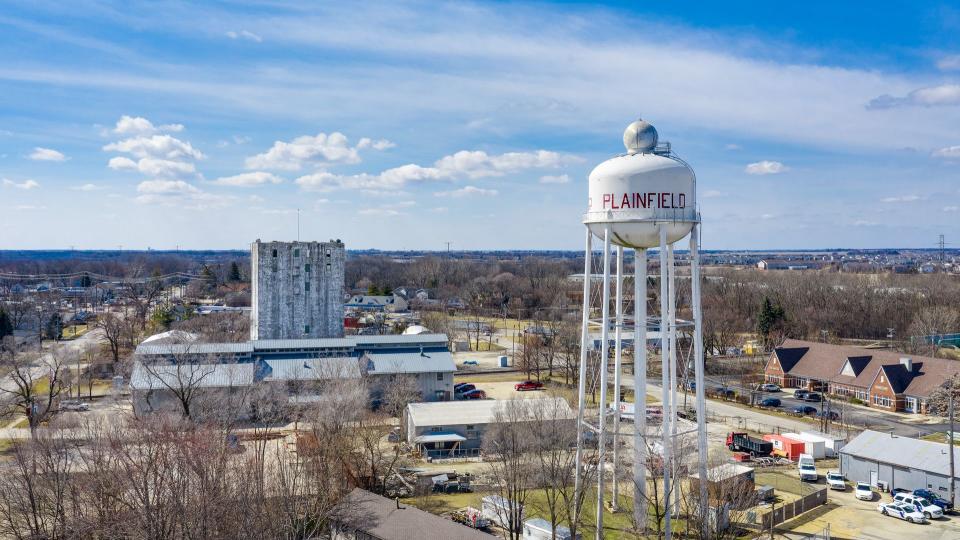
(33, 383)
(507, 444)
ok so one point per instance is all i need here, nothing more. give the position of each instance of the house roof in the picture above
(902, 451)
(410, 362)
(349, 342)
(481, 411)
(823, 361)
(165, 376)
(380, 518)
(312, 369)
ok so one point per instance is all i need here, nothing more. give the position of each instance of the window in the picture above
(435, 429)
(306, 329)
(470, 427)
(439, 376)
(296, 252)
(306, 286)
(274, 253)
(473, 435)
(328, 253)
(306, 268)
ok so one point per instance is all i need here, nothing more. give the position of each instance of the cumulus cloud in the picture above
(555, 179)
(901, 199)
(177, 192)
(712, 194)
(155, 146)
(26, 184)
(463, 164)
(319, 149)
(931, 96)
(951, 208)
(467, 191)
(46, 154)
(152, 166)
(249, 179)
(137, 125)
(949, 63)
(244, 34)
(950, 152)
(766, 167)
(87, 187)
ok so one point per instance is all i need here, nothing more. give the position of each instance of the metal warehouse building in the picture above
(890, 461)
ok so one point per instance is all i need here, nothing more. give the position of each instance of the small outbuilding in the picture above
(728, 483)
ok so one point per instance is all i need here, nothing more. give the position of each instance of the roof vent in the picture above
(907, 363)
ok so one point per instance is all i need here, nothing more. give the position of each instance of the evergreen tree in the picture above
(6, 327)
(770, 318)
(234, 271)
(373, 290)
(54, 329)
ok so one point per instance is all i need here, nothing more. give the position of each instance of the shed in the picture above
(787, 447)
(816, 447)
(540, 529)
(730, 483)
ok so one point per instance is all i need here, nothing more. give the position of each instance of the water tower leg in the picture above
(604, 363)
(582, 376)
(672, 317)
(699, 373)
(665, 381)
(617, 355)
(640, 389)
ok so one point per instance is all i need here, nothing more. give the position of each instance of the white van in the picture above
(807, 469)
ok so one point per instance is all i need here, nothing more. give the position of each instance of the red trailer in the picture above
(785, 446)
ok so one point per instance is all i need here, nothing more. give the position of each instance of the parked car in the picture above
(474, 394)
(723, 391)
(691, 385)
(925, 507)
(832, 415)
(813, 396)
(934, 498)
(528, 385)
(74, 405)
(863, 491)
(800, 394)
(902, 511)
(464, 389)
(804, 409)
(459, 385)
(770, 402)
(471, 363)
(835, 481)
(769, 387)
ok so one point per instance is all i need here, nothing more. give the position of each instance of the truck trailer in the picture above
(741, 442)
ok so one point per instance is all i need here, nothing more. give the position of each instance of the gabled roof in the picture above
(311, 369)
(384, 519)
(823, 361)
(183, 376)
(410, 362)
(480, 411)
(857, 363)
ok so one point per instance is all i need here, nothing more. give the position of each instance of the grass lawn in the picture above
(74, 331)
(485, 346)
(42, 385)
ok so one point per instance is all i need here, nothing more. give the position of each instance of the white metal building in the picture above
(891, 461)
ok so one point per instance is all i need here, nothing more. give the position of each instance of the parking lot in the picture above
(850, 518)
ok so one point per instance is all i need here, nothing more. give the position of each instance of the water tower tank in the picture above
(641, 192)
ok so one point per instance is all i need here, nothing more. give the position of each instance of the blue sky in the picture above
(402, 125)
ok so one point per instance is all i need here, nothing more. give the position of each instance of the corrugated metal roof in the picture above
(480, 411)
(410, 362)
(311, 343)
(194, 348)
(439, 437)
(312, 369)
(902, 451)
(407, 339)
(167, 376)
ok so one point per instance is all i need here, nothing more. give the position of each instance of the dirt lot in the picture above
(850, 519)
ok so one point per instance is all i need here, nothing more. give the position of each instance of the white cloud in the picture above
(440, 210)
(732, 146)
(26, 184)
(768, 216)
(30, 207)
(949, 152)
(766, 167)
(87, 187)
(467, 191)
(317, 149)
(555, 179)
(901, 198)
(177, 192)
(244, 34)
(152, 166)
(931, 96)
(949, 63)
(712, 194)
(865, 223)
(249, 179)
(46, 154)
(156, 146)
(951, 208)
(137, 125)
(463, 164)
(380, 144)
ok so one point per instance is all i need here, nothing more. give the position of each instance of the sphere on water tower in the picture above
(641, 192)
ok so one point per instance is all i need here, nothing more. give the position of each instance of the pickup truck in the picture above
(835, 481)
(741, 442)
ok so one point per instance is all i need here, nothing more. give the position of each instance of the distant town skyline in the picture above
(406, 125)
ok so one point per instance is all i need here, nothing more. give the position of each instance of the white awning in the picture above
(439, 437)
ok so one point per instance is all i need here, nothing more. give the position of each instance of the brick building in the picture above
(883, 379)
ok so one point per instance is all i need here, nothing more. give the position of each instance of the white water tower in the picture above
(643, 199)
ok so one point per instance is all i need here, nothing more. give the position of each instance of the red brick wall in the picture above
(773, 372)
(881, 387)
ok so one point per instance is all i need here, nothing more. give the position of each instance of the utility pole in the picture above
(941, 245)
(953, 479)
(448, 248)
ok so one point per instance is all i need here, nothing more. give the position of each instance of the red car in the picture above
(528, 385)
(474, 394)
